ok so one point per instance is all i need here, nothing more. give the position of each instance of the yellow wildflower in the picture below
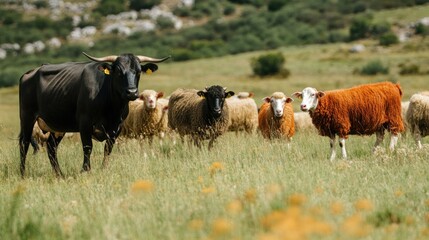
(356, 226)
(208, 190)
(398, 193)
(363, 205)
(234, 207)
(337, 208)
(215, 167)
(142, 186)
(297, 199)
(221, 227)
(250, 195)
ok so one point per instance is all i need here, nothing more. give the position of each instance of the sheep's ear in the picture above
(297, 95)
(251, 94)
(289, 100)
(266, 99)
(229, 94)
(160, 95)
(201, 94)
(141, 97)
(320, 94)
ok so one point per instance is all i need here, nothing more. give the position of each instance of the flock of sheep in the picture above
(209, 113)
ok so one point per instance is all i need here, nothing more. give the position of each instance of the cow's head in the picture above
(277, 102)
(150, 98)
(125, 72)
(215, 98)
(310, 98)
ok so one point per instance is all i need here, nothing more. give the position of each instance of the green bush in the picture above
(106, 7)
(164, 23)
(10, 77)
(143, 4)
(359, 28)
(274, 5)
(373, 68)
(378, 29)
(409, 69)
(269, 64)
(388, 39)
(421, 29)
(229, 9)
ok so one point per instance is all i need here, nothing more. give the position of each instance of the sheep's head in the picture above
(310, 98)
(150, 97)
(277, 102)
(215, 98)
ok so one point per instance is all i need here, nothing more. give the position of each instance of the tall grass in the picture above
(246, 187)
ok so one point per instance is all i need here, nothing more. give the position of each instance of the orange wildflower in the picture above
(363, 205)
(142, 186)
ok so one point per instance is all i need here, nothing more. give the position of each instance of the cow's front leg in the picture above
(107, 150)
(52, 146)
(87, 149)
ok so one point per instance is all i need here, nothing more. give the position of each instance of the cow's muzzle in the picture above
(132, 94)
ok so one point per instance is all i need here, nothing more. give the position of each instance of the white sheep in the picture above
(243, 112)
(418, 116)
(147, 117)
(404, 109)
(303, 122)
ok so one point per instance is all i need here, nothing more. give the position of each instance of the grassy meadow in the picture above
(246, 187)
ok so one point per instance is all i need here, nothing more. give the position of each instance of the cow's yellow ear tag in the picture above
(148, 71)
(106, 71)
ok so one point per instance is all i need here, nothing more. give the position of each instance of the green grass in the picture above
(193, 188)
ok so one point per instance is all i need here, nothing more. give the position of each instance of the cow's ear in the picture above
(320, 94)
(289, 100)
(105, 68)
(201, 94)
(297, 95)
(149, 68)
(229, 94)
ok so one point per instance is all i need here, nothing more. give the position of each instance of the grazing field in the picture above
(246, 187)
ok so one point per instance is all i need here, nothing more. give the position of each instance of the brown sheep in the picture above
(361, 110)
(276, 118)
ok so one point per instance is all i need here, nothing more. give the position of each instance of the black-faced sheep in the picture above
(147, 117)
(243, 112)
(200, 114)
(418, 116)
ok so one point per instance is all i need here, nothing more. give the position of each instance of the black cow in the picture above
(90, 98)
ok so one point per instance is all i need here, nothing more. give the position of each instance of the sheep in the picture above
(303, 122)
(276, 118)
(361, 110)
(418, 116)
(404, 109)
(200, 114)
(147, 117)
(243, 112)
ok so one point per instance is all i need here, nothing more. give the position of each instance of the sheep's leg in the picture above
(379, 140)
(393, 141)
(332, 144)
(342, 142)
(417, 138)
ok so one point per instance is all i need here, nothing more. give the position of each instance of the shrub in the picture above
(143, 4)
(164, 23)
(373, 68)
(359, 29)
(421, 29)
(379, 29)
(409, 69)
(269, 64)
(388, 39)
(229, 9)
(10, 77)
(106, 7)
(274, 5)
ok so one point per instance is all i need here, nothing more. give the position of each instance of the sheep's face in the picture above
(215, 98)
(278, 104)
(151, 99)
(310, 98)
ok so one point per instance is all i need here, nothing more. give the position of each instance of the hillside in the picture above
(54, 31)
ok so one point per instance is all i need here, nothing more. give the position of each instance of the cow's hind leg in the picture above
(107, 150)
(52, 146)
(25, 140)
